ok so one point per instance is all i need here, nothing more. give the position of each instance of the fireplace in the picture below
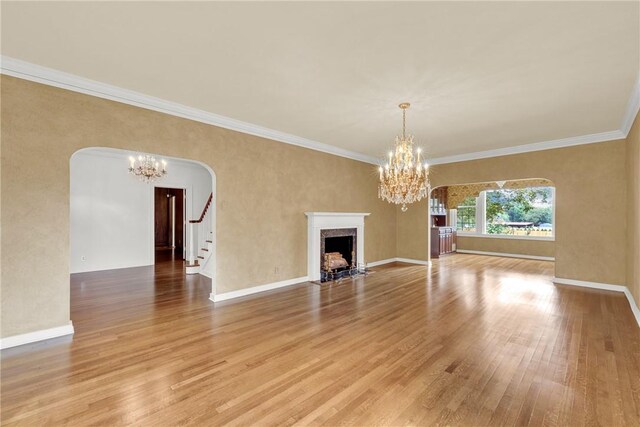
(349, 227)
(338, 250)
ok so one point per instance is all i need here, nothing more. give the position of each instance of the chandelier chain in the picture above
(404, 121)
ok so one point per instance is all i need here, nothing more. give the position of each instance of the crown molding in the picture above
(36, 73)
(633, 106)
(527, 148)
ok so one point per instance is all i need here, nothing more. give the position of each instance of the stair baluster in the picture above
(204, 227)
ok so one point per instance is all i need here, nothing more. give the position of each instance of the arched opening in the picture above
(118, 220)
(512, 218)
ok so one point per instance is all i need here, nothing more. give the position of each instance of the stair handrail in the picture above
(192, 223)
(204, 211)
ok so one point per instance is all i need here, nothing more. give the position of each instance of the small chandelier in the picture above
(146, 168)
(404, 180)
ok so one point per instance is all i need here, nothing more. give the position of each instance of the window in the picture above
(522, 212)
(467, 215)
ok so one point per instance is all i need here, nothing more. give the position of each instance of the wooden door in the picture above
(162, 220)
(179, 221)
(169, 216)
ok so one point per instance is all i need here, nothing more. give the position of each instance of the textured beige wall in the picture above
(591, 196)
(544, 248)
(412, 231)
(633, 210)
(263, 189)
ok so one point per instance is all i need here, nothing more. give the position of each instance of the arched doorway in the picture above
(114, 217)
(512, 218)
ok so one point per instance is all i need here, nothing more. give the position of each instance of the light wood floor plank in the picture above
(471, 340)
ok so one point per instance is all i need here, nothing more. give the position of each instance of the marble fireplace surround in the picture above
(318, 221)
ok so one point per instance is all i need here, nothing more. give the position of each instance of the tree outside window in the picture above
(520, 212)
(467, 215)
(513, 212)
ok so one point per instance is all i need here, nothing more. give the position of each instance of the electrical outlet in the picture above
(83, 258)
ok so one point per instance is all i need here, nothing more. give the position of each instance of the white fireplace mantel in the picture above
(318, 221)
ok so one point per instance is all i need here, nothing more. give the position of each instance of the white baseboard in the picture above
(119, 267)
(604, 286)
(381, 262)
(634, 307)
(536, 257)
(255, 289)
(390, 260)
(413, 261)
(269, 286)
(31, 337)
(594, 285)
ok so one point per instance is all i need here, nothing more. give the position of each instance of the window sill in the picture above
(506, 236)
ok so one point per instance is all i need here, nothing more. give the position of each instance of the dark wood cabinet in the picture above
(442, 241)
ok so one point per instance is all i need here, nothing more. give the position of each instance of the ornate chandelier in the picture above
(404, 180)
(146, 168)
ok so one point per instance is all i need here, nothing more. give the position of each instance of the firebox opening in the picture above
(342, 244)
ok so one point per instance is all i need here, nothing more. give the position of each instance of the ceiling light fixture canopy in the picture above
(404, 179)
(147, 168)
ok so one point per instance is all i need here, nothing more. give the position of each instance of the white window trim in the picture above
(481, 213)
(481, 222)
(505, 236)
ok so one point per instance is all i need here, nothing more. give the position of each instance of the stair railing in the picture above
(204, 224)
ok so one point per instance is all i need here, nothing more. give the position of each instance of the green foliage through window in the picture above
(523, 211)
(467, 215)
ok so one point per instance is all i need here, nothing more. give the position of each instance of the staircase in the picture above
(201, 249)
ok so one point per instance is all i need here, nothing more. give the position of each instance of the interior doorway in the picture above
(169, 219)
(112, 215)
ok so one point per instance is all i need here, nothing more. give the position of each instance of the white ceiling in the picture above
(480, 76)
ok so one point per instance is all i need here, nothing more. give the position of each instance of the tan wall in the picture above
(260, 214)
(412, 231)
(543, 248)
(263, 189)
(590, 211)
(633, 211)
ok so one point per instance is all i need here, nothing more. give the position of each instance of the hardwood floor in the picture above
(472, 341)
